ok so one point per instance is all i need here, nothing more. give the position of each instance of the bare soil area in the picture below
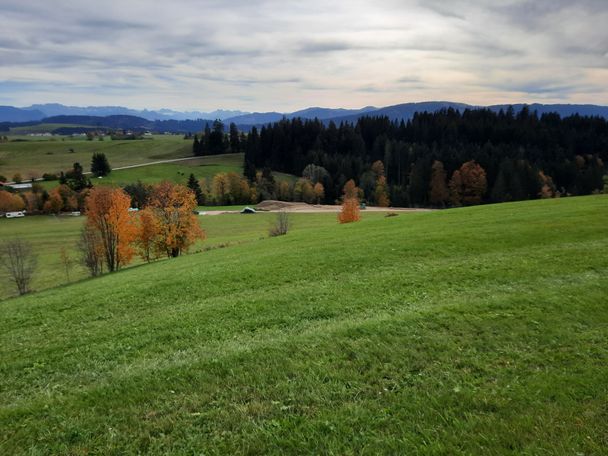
(278, 206)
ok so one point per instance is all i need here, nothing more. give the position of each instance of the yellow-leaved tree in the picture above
(178, 228)
(108, 216)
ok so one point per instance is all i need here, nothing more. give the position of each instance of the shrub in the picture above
(281, 225)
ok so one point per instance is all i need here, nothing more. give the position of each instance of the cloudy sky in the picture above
(284, 55)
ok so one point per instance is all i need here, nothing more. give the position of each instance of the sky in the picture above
(287, 55)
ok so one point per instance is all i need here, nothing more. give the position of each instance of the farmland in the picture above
(48, 234)
(36, 157)
(467, 331)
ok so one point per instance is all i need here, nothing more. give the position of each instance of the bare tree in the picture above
(17, 258)
(92, 256)
(66, 261)
(281, 224)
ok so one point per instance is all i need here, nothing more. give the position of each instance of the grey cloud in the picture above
(281, 55)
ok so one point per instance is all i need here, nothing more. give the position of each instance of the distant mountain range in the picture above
(173, 121)
(41, 111)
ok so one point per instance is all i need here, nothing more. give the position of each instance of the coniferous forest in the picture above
(446, 158)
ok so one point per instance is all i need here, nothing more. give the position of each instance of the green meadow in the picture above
(59, 154)
(202, 167)
(478, 330)
(49, 233)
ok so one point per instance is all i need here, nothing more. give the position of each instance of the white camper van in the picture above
(15, 214)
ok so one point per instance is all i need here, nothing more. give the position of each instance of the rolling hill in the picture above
(173, 121)
(470, 331)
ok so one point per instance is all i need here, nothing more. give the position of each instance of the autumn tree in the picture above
(238, 188)
(148, 235)
(284, 191)
(108, 215)
(319, 192)
(350, 190)
(456, 190)
(54, 203)
(10, 202)
(178, 227)
(381, 192)
(350, 211)
(547, 187)
(473, 182)
(438, 192)
(220, 188)
(308, 192)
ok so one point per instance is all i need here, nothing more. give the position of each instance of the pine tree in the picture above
(196, 147)
(100, 165)
(196, 189)
(75, 178)
(250, 171)
(235, 146)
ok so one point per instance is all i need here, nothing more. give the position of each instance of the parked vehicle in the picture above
(16, 214)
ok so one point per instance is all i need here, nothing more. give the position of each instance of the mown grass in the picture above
(178, 172)
(48, 234)
(471, 331)
(59, 154)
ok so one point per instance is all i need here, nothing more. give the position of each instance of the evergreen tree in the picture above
(100, 165)
(217, 144)
(250, 172)
(194, 185)
(76, 180)
(234, 138)
(196, 147)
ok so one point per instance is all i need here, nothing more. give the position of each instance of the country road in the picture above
(160, 162)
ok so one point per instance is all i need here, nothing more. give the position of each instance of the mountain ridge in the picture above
(403, 111)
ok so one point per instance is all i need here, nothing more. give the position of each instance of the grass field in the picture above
(54, 155)
(41, 128)
(48, 234)
(471, 331)
(177, 172)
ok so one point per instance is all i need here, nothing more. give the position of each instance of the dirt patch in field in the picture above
(304, 208)
(275, 206)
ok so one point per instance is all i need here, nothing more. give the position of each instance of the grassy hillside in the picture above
(54, 155)
(48, 234)
(42, 128)
(470, 331)
(178, 171)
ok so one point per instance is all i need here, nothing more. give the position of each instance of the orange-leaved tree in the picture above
(474, 182)
(178, 227)
(10, 202)
(148, 235)
(350, 204)
(438, 189)
(108, 216)
(456, 189)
